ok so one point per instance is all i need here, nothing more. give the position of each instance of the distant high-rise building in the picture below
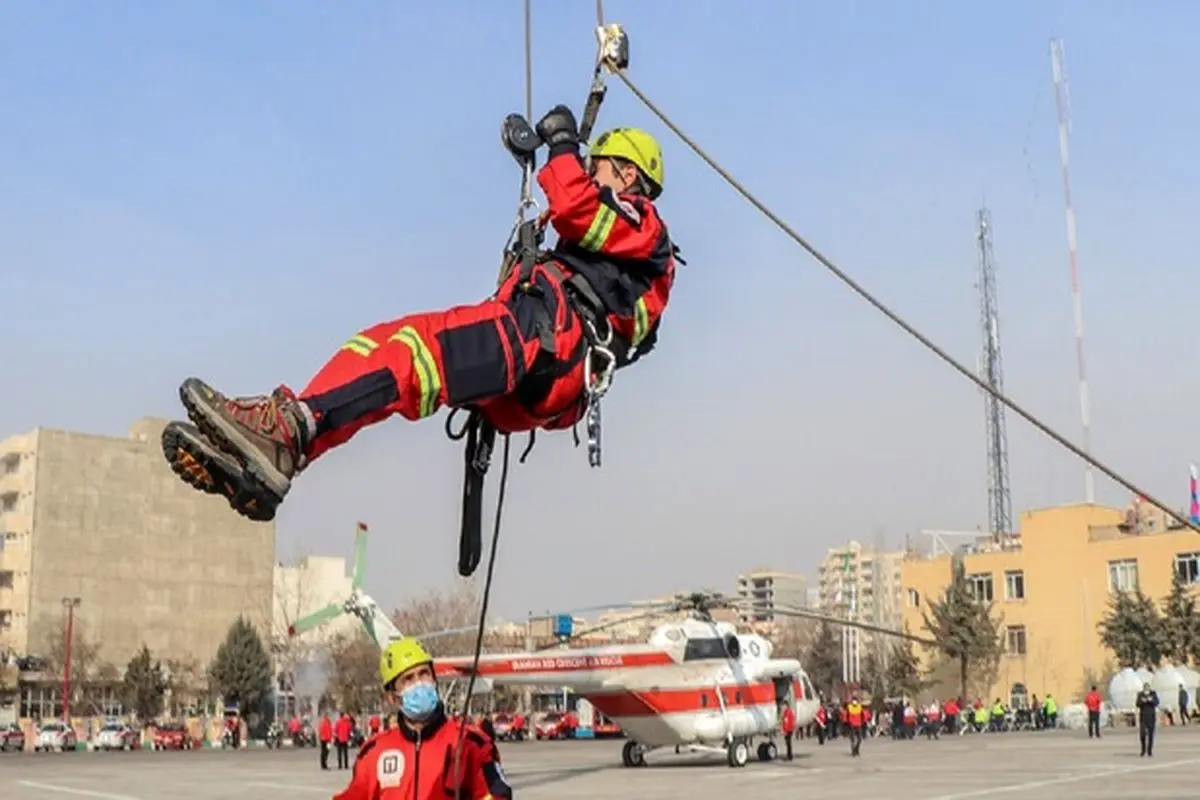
(862, 583)
(765, 589)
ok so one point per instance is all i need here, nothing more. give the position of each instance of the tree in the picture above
(1133, 630)
(823, 661)
(354, 673)
(903, 673)
(144, 685)
(1180, 623)
(438, 611)
(966, 633)
(241, 670)
(86, 664)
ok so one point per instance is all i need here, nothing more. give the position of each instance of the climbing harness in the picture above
(620, 72)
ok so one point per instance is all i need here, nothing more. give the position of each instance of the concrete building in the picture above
(764, 589)
(153, 561)
(1051, 587)
(303, 588)
(863, 583)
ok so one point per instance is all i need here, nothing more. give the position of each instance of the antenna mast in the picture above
(1062, 102)
(991, 372)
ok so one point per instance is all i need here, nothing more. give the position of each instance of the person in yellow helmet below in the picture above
(518, 358)
(416, 758)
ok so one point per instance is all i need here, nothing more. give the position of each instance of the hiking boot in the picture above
(266, 434)
(198, 463)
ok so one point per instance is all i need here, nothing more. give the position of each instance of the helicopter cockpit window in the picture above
(700, 649)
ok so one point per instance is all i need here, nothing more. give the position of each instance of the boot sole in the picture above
(195, 396)
(208, 470)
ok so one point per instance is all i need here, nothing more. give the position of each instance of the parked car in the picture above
(55, 736)
(555, 725)
(171, 736)
(605, 728)
(117, 736)
(12, 738)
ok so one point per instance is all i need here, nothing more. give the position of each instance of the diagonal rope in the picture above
(898, 320)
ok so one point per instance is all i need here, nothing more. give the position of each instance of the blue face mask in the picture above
(419, 701)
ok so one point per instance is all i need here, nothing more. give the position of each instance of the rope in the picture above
(892, 315)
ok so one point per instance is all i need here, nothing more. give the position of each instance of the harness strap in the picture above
(481, 439)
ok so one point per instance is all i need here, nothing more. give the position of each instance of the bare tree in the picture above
(438, 611)
(88, 669)
(793, 637)
(187, 682)
(354, 673)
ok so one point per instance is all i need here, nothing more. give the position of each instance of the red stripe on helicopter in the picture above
(554, 663)
(680, 701)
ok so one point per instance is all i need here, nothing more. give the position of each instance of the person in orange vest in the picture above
(854, 723)
(325, 734)
(788, 725)
(420, 758)
(1092, 701)
(341, 738)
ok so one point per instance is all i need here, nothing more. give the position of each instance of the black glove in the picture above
(559, 130)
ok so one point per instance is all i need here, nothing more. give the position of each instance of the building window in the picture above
(914, 598)
(980, 586)
(1123, 575)
(1188, 567)
(6, 579)
(1014, 585)
(10, 463)
(8, 501)
(1015, 640)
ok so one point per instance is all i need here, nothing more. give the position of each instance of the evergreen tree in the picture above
(144, 685)
(903, 674)
(965, 632)
(1180, 623)
(241, 671)
(823, 662)
(1134, 630)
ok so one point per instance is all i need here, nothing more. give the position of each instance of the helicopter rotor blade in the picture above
(315, 619)
(848, 623)
(360, 556)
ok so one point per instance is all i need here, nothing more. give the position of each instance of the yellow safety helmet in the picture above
(400, 656)
(636, 146)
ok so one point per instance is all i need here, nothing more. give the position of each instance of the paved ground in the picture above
(1026, 765)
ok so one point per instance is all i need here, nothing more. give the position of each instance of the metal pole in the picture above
(70, 604)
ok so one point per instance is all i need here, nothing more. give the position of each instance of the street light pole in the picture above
(70, 604)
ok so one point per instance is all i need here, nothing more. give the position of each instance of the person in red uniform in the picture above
(419, 758)
(854, 724)
(325, 734)
(1093, 702)
(788, 727)
(341, 738)
(518, 358)
(373, 724)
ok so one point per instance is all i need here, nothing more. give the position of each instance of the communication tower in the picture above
(991, 369)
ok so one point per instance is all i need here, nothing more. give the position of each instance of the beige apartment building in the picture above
(151, 561)
(862, 583)
(764, 589)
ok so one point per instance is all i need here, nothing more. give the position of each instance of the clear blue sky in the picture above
(231, 189)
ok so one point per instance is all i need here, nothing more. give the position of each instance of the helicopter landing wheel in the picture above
(767, 751)
(738, 753)
(633, 754)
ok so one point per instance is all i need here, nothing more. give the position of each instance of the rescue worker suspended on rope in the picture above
(415, 760)
(517, 359)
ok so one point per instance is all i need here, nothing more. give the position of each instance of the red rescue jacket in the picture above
(401, 764)
(325, 730)
(788, 721)
(1092, 701)
(620, 247)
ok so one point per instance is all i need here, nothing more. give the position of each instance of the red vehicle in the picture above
(172, 736)
(555, 725)
(509, 727)
(12, 738)
(605, 728)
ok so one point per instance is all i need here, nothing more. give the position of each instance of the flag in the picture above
(1195, 508)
